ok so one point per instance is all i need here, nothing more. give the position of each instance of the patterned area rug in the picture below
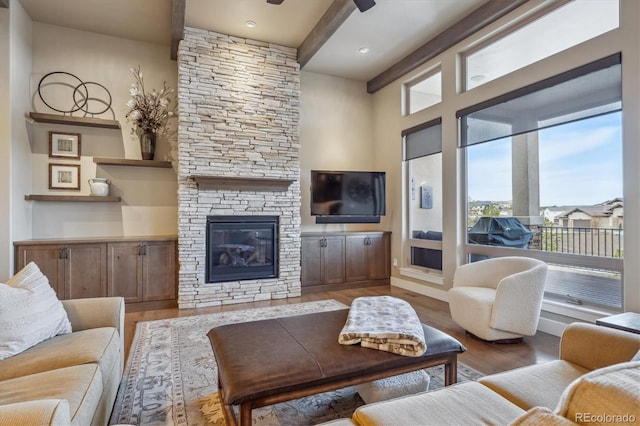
(171, 375)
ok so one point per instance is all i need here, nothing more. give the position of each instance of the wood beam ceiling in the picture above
(177, 25)
(475, 21)
(335, 16)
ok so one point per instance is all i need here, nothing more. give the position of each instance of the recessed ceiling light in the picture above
(477, 78)
(250, 24)
(363, 50)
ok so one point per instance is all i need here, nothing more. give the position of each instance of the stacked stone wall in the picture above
(239, 104)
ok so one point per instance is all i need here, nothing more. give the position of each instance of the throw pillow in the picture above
(604, 396)
(30, 312)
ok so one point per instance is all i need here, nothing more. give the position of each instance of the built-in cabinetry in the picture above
(344, 259)
(140, 269)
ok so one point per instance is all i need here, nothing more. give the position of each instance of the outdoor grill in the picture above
(500, 231)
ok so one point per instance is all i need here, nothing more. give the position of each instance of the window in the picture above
(544, 179)
(423, 92)
(423, 166)
(564, 27)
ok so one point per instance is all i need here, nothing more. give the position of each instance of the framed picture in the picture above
(64, 176)
(64, 145)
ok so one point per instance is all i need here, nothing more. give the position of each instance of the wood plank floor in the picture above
(485, 357)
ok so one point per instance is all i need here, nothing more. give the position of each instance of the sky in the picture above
(580, 164)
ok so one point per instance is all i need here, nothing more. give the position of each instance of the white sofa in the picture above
(592, 379)
(70, 379)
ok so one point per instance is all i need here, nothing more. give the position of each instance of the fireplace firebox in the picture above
(241, 248)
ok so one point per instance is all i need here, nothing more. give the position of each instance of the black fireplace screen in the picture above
(241, 248)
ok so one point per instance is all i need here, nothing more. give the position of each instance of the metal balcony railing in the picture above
(605, 242)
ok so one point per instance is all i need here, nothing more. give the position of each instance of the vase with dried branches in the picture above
(149, 112)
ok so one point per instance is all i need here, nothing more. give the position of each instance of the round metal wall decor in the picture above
(82, 96)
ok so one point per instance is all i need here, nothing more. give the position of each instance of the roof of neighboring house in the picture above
(599, 210)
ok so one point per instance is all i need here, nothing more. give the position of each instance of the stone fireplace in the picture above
(239, 161)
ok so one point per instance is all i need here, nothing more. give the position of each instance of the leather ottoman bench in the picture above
(265, 362)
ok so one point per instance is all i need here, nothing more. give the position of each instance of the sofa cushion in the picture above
(465, 404)
(50, 412)
(80, 385)
(604, 396)
(30, 312)
(97, 345)
(535, 385)
(541, 416)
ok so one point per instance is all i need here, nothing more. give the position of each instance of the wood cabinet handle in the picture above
(142, 249)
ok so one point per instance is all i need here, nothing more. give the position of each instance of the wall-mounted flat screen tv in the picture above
(346, 193)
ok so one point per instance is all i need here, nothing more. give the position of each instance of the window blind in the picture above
(423, 139)
(587, 91)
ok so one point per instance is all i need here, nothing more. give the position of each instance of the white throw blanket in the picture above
(385, 323)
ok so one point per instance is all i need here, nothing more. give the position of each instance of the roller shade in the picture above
(424, 139)
(591, 90)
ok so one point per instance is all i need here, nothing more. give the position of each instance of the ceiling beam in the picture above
(335, 16)
(177, 25)
(4, 3)
(473, 22)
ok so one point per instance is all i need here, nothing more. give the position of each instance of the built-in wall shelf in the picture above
(74, 121)
(74, 198)
(135, 163)
(242, 183)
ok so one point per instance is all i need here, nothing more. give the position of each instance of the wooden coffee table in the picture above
(265, 362)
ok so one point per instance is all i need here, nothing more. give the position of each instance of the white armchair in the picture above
(498, 299)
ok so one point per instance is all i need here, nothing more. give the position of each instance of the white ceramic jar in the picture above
(99, 186)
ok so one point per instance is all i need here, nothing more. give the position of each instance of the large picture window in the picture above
(544, 179)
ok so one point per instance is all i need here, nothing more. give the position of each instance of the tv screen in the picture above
(347, 193)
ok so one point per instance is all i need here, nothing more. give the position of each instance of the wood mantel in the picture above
(245, 183)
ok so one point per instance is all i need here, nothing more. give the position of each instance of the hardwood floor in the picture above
(485, 357)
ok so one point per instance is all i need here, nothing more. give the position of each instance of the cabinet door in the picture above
(159, 276)
(124, 275)
(357, 269)
(378, 257)
(85, 270)
(333, 259)
(311, 266)
(49, 259)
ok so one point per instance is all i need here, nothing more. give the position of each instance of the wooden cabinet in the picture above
(341, 260)
(367, 257)
(159, 271)
(323, 260)
(140, 270)
(74, 270)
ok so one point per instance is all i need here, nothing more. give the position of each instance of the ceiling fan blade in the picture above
(364, 5)
(275, 1)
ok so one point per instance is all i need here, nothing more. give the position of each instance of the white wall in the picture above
(336, 133)
(5, 146)
(21, 40)
(388, 123)
(149, 195)
(15, 162)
